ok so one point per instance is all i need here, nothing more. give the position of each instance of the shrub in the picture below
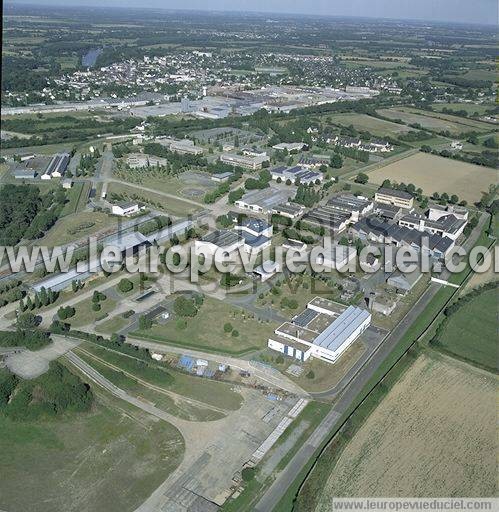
(181, 323)
(228, 327)
(248, 474)
(125, 285)
(185, 307)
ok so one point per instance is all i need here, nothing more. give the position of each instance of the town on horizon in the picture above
(248, 260)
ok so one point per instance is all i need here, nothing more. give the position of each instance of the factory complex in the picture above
(324, 330)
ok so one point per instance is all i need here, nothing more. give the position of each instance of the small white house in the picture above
(125, 209)
(267, 270)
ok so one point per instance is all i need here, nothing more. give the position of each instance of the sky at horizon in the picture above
(462, 11)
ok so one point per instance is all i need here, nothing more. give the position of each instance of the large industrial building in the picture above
(295, 174)
(57, 166)
(324, 330)
(339, 212)
(264, 200)
(247, 162)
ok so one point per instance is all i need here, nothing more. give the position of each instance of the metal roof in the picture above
(222, 238)
(394, 193)
(337, 333)
(257, 225)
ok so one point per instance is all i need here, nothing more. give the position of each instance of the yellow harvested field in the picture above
(437, 174)
(433, 435)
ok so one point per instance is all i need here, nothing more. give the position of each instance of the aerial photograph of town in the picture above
(248, 256)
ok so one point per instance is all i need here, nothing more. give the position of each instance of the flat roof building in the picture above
(219, 242)
(357, 207)
(247, 162)
(326, 338)
(23, 174)
(290, 210)
(264, 200)
(125, 208)
(186, 147)
(297, 173)
(394, 197)
(328, 217)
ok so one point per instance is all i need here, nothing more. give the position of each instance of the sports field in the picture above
(376, 126)
(437, 174)
(434, 434)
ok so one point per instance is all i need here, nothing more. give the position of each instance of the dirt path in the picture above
(172, 394)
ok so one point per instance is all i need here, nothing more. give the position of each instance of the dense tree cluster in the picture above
(306, 195)
(31, 339)
(55, 392)
(188, 306)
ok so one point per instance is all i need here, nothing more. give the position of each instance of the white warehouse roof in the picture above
(338, 332)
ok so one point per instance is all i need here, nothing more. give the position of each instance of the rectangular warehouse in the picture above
(325, 338)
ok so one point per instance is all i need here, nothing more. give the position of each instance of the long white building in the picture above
(321, 331)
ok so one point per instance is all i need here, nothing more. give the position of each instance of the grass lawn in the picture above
(168, 204)
(327, 375)
(3, 169)
(76, 198)
(154, 179)
(111, 458)
(75, 226)
(210, 392)
(205, 331)
(300, 288)
(471, 333)
(85, 314)
(112, 325)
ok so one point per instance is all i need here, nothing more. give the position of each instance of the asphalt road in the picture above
(277, 490)
(279, 487)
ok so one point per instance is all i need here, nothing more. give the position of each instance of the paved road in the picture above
(279, 487)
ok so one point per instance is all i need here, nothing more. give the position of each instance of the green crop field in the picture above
(434, 120)
(471, 332)
(471, 108)
(376, 126)
(111, 458)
